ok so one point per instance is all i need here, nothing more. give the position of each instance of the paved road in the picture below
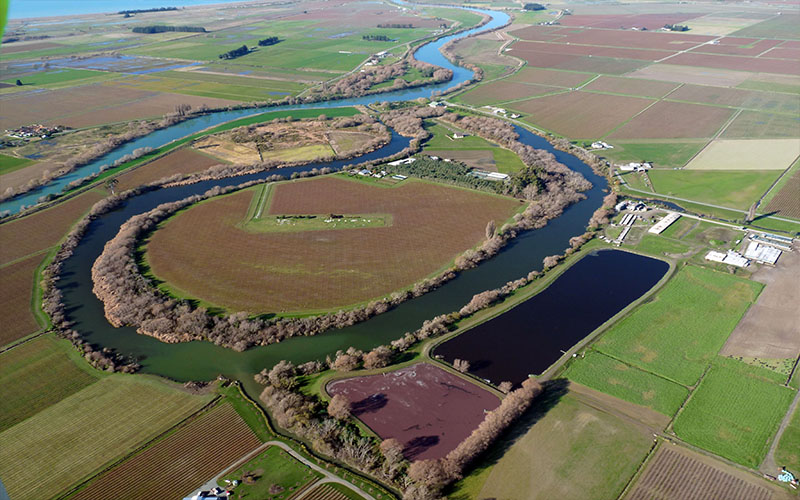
(327, 476)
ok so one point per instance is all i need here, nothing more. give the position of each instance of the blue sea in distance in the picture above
(47, 8)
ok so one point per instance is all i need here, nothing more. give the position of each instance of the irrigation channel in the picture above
(204, 360)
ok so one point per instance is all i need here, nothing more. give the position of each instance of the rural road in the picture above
(769, 465)
(327, 476)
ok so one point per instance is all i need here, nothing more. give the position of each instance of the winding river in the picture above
(204, 361)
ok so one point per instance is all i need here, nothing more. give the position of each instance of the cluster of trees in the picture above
(233, 54)
(676, 27)
(395, 25)
(359, 84)
(272, 40)
(533, 6)
(142, 11)
(165, 29)
(376, 38)
(452, 172)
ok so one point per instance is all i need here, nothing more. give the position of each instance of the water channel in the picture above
(204, 361)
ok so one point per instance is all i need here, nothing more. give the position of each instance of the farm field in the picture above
(332, 491)
(175, 465)
(660, 246)
(788, 451)
(737, 189)
(747, 154)
(470, 148)
(785, 202)
(429, 410)
(706, 304)
(580, 442)
(36, 375)
(99, 423)
(181, 161)
(9, 164)
(662, 154)
(564, 79)
(510, 91)
(631, 86)
(675, 472)
(279, 475)
(320, 270)
(674, 120)
(757, 125)
(16, 299)
(736, 424)
(620, 380)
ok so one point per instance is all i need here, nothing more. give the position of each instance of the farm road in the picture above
(769, 466)
(328, 477)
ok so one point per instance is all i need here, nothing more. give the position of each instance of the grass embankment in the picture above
(279, 476)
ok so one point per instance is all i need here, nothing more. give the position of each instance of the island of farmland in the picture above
(282, 256)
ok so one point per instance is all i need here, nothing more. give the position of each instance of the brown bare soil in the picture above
(313, 270)
(90, 105)
(24, 47)
(363, 16)
(581, 115)
(424, 407)
(787, 201)
(771, 327)
(16, 294)
(688, 74)
(752, 48)
(760, 125)
(674, 120)
(631, 86)
(783, 52)
(676, 473)
(44, 229)
(752, 64)
(616, 21)
(182, 161)
(548, 77)
(476, 158)
(595, 51)
(176, 465)
(494, 92)
(638, 39)
(754, 99)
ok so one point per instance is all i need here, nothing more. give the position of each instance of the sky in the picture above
(46, 8)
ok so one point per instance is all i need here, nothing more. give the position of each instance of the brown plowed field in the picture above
(739, 63)
(581, 115)
(787, 201)
(783, 52)
(182, 161)
(688, 74)
(476, 158)
(631, 86)
(424, 407)
(313, 270)
(548, 77)
(586, 50)
(89, 105)
(614, 21)
(674, 120)
(677, 474)
(24, 47)
(738, 49)
(176, 465)
(639, 39)
(16, 293)
(43, 229)
(541, 59)
(767, 101)
(537, 33)
(501, 91)
(326, 492)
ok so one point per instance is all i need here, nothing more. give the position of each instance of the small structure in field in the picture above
(730, 257)
(489, 176)
(601, 145)
(635, 167)
(404, 161)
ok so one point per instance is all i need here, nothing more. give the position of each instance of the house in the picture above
(635, 167)
(404, 161)
(433, 158)
(458, 136)
(364, 172)
(515, 115)
(601, 145)
(437, 104)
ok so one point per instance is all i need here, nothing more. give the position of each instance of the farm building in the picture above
(780, 242)
(664, 223)
(489, 176)
(731, 257)
(635, 167)
(404, 161)
(764, 254)
(601, 145)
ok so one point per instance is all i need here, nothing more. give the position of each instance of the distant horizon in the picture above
(31, 9)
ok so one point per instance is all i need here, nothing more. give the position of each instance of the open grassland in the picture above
(36, 375)
(177, 464)
(660, 246)
(16, 299)
(677, 333)
(313, 270)
(733, 189)
(42, 229)
(675, 472)
(755, 154)
(759, 125)
(485, 54)
(182, 161)
(605, 374)
(581, 115)
(9, 164)
(662, 154)
(99, 423)
(786, 201)
(734, 413)
(561, 448)
(788, 451)
(63, 78)
(674, 120)
(274, 466)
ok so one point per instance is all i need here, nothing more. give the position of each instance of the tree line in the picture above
(233, 54)
(272, 40)
(165, 29)
(142, 11)
(453, 172)
(376, 38)
(396, 26)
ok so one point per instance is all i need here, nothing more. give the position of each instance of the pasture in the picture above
(469, 149)
(38, 374)
(788, 451)
(99, 423)
(752, 154)
(661, 153)
(677, 333)
(676, 472)
(62, 77)
(9, 164)
(732, 189)
(605, 374)
(16, 298)
(429, 410)
(660, 246)
(558, 440)
(320, 270)
(174, 466)
(734, 413)
(278, 476)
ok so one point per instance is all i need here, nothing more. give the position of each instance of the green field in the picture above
(734, 413)
(677, 333)
(561, 449)
(9, 164)
(274, 468)
(620, 380)
(788, 452)
(60, 76)
(37, 374)
(73, 438)
(662, 154)
(659, 245)
(441, 139)
(733, 189)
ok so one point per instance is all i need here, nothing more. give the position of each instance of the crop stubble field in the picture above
(177, 464)
(182, 161)
(294, 271)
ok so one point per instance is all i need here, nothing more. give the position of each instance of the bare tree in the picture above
(490, 228)
(339, 407)
(461, 365)
(505, 387)
(378, 357)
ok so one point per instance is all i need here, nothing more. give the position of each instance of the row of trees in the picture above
(396, 25)
(165, 29)
(376, 38)
(452, 172)
(272, 40)
(141, 11)
(233, 54)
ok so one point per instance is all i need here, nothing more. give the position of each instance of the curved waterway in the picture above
(427, 53)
